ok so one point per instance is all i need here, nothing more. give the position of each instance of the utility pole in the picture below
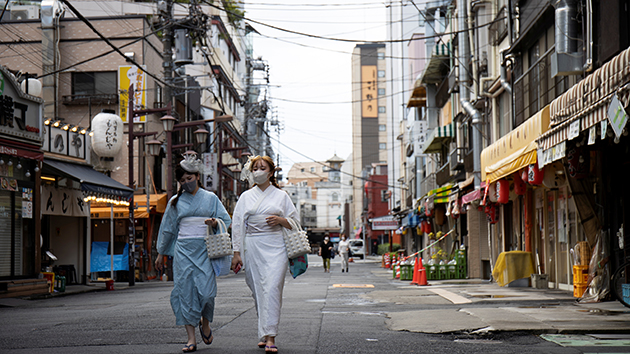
(165, 8)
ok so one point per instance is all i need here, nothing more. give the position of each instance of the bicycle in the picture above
(619, 278)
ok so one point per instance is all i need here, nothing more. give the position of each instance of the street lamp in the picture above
(153, 147)
(201, 135)
(168, 122)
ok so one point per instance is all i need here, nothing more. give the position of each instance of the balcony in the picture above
(443, 175)
(427, 184)
(80, 100)
(456, 159)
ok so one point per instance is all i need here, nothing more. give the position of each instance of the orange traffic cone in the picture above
(397, 269)
(423, 276)
(416, 273)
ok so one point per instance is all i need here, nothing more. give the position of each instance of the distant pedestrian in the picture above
(182, 235)
(260, 215)
(325, 251)
(344, 252)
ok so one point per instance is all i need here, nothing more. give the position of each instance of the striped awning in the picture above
(440, 195)
(438, 65)
(437, 138)
(586, 103)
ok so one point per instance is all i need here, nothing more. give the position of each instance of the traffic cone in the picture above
(416, 273)
(398, 269)
(423, 276)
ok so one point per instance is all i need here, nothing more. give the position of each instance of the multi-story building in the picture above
(369, 119)
(82, 74)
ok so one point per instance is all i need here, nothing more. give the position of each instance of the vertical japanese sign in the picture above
(127, 76)
(369, 92)
(210, 173)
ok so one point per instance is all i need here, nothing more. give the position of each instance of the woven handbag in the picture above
(218, 244)
(295, 240)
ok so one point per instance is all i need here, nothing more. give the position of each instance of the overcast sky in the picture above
(311, 78)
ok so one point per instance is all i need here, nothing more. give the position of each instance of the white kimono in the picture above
(262, 247)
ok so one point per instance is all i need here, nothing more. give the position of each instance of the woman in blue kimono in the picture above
(181, 235)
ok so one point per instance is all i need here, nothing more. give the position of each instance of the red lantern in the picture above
(492, 213)
(427, 226)
(519, 185)
(534, 175)
(503, 191)
(523, 174)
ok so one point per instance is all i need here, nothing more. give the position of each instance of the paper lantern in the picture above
(519, 185)
(523, 173)
(554, 176)
(108, 133)
(503, 191)
(492, 192)
(534, 175)
(492, 213)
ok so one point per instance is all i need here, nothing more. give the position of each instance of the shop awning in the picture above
(157, 204)
(586, 103)
(438, 66)
(91, 180)
(437, 138)
(440, 195)
(418, 96)
(515, 150)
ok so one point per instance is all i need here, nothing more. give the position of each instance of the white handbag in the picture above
(295, 240)
(218, 244)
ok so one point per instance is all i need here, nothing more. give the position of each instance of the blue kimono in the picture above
(194, 276)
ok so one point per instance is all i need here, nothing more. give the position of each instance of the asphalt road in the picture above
(322, 313)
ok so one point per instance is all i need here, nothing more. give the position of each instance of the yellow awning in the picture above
(515, 150)
(157, 204)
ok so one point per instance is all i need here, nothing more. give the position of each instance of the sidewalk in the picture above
(479, 306)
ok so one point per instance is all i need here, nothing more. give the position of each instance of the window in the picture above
(384, 195)
(158, 93)
(381, 109)
(313, 207)
(94, 83)
(381, 73)
(382, 146)
(312, 169)
(382, 127)
(302, 170)
(335, 197)
(381, 55)
(381, 92)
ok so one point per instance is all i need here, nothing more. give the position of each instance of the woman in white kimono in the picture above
(181, 235)
(260, 214)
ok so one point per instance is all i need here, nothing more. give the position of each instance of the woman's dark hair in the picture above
(272, 168)
(179, 173)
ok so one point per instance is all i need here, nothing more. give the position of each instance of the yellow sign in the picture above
(132, 76)
(369, 92)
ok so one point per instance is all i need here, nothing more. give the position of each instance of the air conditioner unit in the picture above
(24, 12)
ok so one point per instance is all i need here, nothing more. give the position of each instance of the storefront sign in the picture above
(574, 130)
(617, 116)
(384, 223)
(65, 142)
(20, 114)
(604, 128)
(63, 201)
(131, 76)
(369, 92)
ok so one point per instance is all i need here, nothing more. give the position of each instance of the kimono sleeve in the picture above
(238, 225)
(219, 210)
(169, 228)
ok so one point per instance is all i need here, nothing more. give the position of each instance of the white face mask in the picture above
(260, 177)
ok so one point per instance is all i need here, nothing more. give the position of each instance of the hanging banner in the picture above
(617, 116)
(210, 173)
(132, 76)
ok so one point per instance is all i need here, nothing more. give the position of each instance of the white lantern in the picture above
(108, 134)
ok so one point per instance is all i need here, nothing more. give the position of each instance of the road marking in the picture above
(452, 297)
(353, 286)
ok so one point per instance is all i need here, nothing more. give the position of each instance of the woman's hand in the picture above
(159, 262)
(274, 220)
(212, 222)
(237, 262)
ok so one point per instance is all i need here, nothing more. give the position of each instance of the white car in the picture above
(357, 248)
